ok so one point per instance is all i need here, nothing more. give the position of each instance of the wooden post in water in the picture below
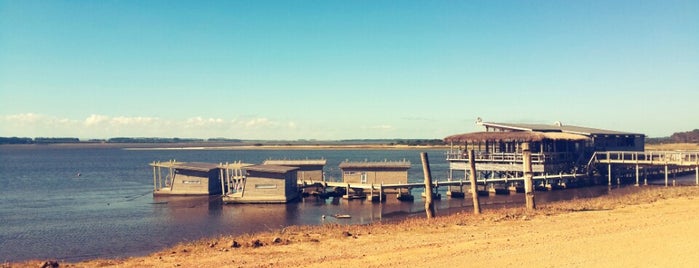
(155, 179)
(528, 183)
(429, 207)
(474, 187)
(609, 174)
(222, 178)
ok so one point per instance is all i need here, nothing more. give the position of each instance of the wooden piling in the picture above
(429, 206)
(472, 178)
(155, 179)
(528, 183)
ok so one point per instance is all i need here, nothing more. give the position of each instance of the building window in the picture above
(265, 186)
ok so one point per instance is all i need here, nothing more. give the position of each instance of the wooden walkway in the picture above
(677, 160)
(661, 158)
(381, 187)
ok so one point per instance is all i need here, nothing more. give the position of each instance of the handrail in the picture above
(537, 158)
(648, 157)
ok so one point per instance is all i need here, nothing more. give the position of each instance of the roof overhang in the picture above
(514, 136)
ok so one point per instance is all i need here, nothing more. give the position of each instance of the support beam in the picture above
(637, 175)
(665, 175)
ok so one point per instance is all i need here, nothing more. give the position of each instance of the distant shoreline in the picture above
(228, 146)
(282, 146)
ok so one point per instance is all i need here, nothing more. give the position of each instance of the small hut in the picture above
(388, 172)
(266, 184)
(186, 178)
(309, 169)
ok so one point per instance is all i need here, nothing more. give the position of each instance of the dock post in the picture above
(474, 189)
(381, 193)
(221, 178)
(155, 179)
(528, 183)
(636, 174)
(429, 206)
(609, 174)
(665, 175)
(696, 178)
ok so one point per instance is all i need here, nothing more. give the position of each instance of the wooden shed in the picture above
(186, 178)
(309, 169)
(266, 184)
(387, 172)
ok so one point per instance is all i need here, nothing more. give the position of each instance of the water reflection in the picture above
(209, 217)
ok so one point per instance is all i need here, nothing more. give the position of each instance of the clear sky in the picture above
(344, 69)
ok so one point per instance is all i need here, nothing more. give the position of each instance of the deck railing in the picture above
(480, 156)
(681, 158)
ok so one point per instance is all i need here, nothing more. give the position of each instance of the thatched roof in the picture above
(516, 136)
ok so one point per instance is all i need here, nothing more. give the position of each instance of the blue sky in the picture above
(344, 69)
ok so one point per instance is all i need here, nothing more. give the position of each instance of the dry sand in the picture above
(654, 227)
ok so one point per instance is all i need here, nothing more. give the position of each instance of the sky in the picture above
(331, 70)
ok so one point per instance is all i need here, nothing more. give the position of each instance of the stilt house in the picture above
(388, 172)
(308, 169)
(266, 184)
(555, 148)
(186, 178)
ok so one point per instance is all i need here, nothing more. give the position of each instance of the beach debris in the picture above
(277, 240)
(346, 233)
(235, 244)
(256, 243)
(50, 264)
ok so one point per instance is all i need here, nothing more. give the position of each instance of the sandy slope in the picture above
(610, 233)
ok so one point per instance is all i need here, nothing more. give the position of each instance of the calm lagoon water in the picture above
(48, 211)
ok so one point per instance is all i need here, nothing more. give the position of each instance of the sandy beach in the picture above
(651, 227)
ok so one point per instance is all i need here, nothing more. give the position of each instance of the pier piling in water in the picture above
(528, 183)
(429, 206)
(472, 179)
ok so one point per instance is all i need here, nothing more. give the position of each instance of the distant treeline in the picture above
(409, 142)
(678, 137)
(16, 140)
(41, 140)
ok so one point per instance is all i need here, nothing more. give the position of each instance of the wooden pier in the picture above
(670, 161)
